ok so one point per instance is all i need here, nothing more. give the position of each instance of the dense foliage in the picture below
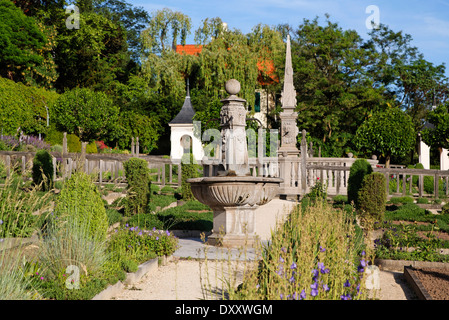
(121, 51)
(80, 199)
(359, 169)
(138, 178)
(372, 198)
(42, 170)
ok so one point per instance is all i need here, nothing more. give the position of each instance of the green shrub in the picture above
(177, 218)
(402, 200)
(189, 169)
(340, 199)
(73, 143)
(422, 200)
(80, 199)
(317, 192)
(129, 265)
(113, 216)
(42, 170)
(445, 209)
(372, 197)
(359, 169)
(91, 147)
(146, 221)
(139, 185)
(141, 244)
(2, 169)
(154, 188)
(167, 189)
(410, 212)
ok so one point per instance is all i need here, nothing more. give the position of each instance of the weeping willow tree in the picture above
(225, 54)
(230, 54)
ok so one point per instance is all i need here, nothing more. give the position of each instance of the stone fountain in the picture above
(234, 195)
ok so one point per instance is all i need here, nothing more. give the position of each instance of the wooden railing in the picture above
(298, 179)
(109, 167)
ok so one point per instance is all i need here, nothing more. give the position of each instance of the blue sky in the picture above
(426, 21)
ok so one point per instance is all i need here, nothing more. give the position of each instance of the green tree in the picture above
(165, 29)
(410, 81)
(436, 135)
(89, 115)
(387, 133)
(91, 56)
(335, 91)
(20, 38)
(133, 19)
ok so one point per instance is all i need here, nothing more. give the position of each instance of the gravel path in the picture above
(185, 279)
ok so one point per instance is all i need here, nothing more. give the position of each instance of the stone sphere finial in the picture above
(232, 86)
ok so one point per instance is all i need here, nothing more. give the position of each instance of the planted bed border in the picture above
(148, 267)
(407, 267)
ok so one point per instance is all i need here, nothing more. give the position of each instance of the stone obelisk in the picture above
(289, 129)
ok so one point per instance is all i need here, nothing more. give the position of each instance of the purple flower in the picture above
(347, 284)
(293, 266)
(302, 295)
(325, 287)
(281, 259)
(314, 288)
(345, 297)
(322, 249)
(292, 279)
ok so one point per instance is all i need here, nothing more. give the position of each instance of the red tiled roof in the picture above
(191, 49)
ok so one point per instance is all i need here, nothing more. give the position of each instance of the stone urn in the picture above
(234, 201)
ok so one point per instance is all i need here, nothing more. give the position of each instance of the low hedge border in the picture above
(148, 267)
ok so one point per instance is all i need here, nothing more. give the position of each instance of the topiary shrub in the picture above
(359, 169)
(139, 186)
(189, 169)
(81, 200)
(372, 197)
(42, 170)
(73, 143)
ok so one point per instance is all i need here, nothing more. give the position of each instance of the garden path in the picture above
(185, 278)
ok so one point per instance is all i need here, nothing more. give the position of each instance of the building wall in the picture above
(177, 150)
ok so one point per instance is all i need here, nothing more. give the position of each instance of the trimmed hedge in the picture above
(359, 169)
(80, 199)
(139, 186)
(42, 170)
(372, 197)
(189, 169)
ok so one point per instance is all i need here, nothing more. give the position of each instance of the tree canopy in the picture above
(125, 59)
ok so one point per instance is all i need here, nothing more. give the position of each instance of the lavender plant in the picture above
(316, 254)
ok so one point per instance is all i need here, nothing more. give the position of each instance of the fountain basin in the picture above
(234, 200)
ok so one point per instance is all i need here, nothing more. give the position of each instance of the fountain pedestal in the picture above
(234, 195)
(234, 201)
